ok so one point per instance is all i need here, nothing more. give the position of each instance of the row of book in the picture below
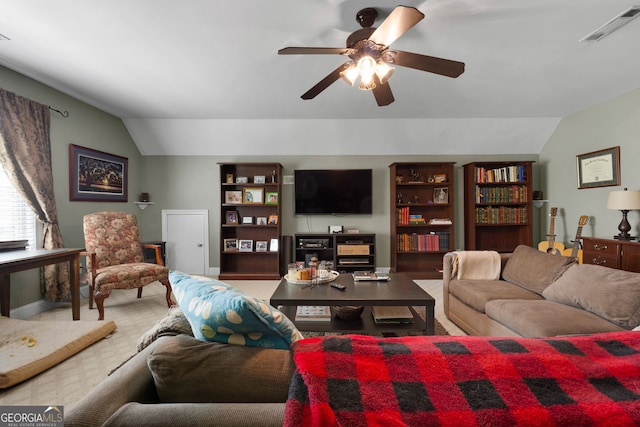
(515, 173)
(435, 241)
(510, 194)
(502, 215)
(405, 217)
(381, 314)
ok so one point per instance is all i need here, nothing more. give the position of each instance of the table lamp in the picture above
(624, 201)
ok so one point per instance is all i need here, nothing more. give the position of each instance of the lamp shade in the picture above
(624, 200)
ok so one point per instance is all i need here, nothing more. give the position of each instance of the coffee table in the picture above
(400, 290)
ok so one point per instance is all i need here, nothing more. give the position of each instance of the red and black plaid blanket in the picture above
(355, 380)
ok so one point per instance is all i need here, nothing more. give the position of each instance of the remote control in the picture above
(338, 286)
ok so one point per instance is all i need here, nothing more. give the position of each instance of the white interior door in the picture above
(187, 235)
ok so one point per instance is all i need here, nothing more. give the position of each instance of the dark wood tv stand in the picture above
(348, 252)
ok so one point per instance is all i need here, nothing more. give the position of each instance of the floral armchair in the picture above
(115, 258)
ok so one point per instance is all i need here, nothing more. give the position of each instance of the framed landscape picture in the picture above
(96, 176)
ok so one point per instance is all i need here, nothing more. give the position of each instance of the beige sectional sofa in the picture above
(539, 294)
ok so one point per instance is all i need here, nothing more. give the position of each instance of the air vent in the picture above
(619, 21)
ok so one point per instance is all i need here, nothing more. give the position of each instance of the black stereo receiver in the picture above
(313, 243)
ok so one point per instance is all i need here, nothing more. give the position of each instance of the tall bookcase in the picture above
(422, 202)
(498, 213)
(250, 221)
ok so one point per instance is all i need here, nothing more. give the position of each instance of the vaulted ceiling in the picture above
(180, 73)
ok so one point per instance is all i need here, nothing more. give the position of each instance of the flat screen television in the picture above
(332, 191)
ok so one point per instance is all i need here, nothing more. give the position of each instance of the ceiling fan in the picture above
(371, 56)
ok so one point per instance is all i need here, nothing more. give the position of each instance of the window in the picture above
(17, 220)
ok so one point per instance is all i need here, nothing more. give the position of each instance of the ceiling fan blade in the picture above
(397, 23)
(382, 93)
(324, 83)
(313, 51)
(444, 67)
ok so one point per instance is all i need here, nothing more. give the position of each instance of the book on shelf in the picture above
(391, 314)
(308, 313)
(369, 275)
(440, 221)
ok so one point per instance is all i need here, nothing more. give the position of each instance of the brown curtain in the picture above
(25, 153)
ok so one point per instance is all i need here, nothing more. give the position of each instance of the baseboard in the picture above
(29, 310)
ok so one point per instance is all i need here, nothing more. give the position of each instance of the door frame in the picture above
(205, 213)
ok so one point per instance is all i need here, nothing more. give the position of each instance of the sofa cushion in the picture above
(219, 312)
(476, 293)
(607, 292)
(546, 318)
(186, 369)
(533, 269)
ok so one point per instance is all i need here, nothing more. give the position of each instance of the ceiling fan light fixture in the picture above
(384, 71)
(350, 75)
(367, 84)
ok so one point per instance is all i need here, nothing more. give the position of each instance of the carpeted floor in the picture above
(67, 382)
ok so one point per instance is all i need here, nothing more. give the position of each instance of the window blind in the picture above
(17, 220)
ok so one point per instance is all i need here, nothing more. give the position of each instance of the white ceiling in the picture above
(180, 73)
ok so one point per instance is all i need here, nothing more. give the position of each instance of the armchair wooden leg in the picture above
(91, 291)
(166, 283)
(140, 292)
(100, 297)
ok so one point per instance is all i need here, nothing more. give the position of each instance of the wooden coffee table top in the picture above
(399, 290)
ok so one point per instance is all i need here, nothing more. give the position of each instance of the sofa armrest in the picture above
(447, 275)
(132, 382)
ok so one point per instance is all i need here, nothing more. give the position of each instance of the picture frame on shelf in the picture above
(259, 179)
(94, 186)
(441, 195)
(273, 220)
(247, 220)
(598, 168)
(439, 178)
(271, 198)
(229, 178)
(261, 246)
(273, 246)
(232, 217)
(261, 220)
(233, 197)
(252, 195)
(245, 245)
(242, 180)
(230, 245)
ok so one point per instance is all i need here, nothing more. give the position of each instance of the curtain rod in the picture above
(63, 114)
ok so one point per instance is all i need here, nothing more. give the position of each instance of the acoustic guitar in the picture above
(576, 250)
(551, 246)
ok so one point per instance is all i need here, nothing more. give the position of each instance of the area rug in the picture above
(28, 348)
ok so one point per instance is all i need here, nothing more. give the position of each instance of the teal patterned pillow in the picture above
(219, 312)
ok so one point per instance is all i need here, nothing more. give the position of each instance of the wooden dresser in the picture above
(622, 255)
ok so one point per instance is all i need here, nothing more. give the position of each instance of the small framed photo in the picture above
(271, 198)
(252, 195)
(233, 197)
(273, 247)
(273, 219)
(440, 178)
(261, 220)
(259, 179)
(261, 246)
(245, 245)
(242, 180)
(441, 195)
(247, 220)
(229, 178)
(230, 245)
(232, 217)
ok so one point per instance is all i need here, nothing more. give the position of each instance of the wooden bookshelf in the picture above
(498, 212)
(421, 217)
(249, 212)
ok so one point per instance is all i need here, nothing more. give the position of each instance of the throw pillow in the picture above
(186, 369)
(219, 312)
(533, 269)
(609, 293)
